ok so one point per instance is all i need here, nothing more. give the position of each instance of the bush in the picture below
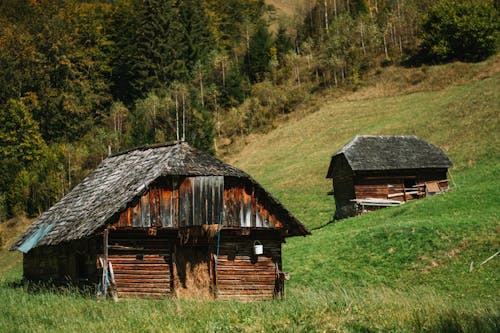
(459, 30)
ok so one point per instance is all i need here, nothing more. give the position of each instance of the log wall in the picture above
(165, 264)
(73, 262)
(142, 263)
(400, 185)
(241, 275)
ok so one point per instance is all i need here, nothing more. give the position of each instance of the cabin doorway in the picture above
(192, 272)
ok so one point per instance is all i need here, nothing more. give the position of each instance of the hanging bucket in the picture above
(258, 248)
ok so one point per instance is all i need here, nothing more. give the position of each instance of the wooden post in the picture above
(105, 264)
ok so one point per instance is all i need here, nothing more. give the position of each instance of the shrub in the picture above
(459, 30)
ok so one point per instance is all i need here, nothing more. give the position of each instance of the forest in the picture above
(80, 79)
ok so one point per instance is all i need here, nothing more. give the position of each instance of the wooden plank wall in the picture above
(242, 209)
(64, 263)
(388, 187)
(195, 201)
(243, 276)
(176, 202)
(142, 264)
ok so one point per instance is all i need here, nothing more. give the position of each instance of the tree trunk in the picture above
(176, 117)
(183, 116)
(201, 89)
(362, 38)
(326, 15)
(385, 47)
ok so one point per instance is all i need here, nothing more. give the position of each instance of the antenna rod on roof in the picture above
(177, 116)
(183, 117)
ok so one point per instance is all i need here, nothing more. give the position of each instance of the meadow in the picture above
(419, 267)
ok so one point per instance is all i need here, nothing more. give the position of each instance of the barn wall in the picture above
(381, 185)
(177, 202)
(72, 262)
(343, 187)
(391, 184)
(142, 262)
(343, 192)
(241, 275)
(183, 264)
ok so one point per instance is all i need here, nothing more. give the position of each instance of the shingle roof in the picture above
(391, 152)
(122, 177)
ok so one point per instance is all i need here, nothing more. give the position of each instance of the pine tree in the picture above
(198, 38)
(160, 47)
(283, 43)
(258, 55)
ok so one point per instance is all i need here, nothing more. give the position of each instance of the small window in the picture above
(139, 257)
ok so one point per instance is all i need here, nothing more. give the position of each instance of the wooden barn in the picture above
(164, 220)
(371, 172)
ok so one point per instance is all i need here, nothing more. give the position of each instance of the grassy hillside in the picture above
(411, 268)
(292, 160)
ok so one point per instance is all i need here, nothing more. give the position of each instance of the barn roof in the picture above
(391, 152)
(124, 176)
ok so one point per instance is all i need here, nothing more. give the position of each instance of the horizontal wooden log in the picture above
(144, 289)
(141, 272)
(145, 256)
(269, 280)
(262, 287)
(246, 278)
(266, 263)
(138, 262)
(119, 267)
(142, 295)
(154, 279)
(233, 269)
(248, 293)
(155, 275)
(138, 286)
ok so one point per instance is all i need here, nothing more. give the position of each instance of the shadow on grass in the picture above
(324, 225)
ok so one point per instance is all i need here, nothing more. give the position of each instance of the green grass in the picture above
(402, 269)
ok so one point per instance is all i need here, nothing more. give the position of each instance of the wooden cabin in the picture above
(163, 221)
(371, 172)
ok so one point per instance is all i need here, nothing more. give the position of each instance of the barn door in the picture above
(142, 266)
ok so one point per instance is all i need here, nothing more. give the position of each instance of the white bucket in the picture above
(258, 248)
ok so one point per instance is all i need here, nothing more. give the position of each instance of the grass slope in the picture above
(292, 160)
(402, 269)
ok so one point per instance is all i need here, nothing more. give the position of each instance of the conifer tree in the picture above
(283, 43)
(258, 55)
(160, 47)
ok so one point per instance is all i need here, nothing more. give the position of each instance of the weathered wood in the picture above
(149, 280)
(140, 272)
(130, 293)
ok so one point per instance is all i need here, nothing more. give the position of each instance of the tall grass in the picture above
(306, 309)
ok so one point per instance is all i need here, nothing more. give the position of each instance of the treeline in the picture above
(79, 78)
